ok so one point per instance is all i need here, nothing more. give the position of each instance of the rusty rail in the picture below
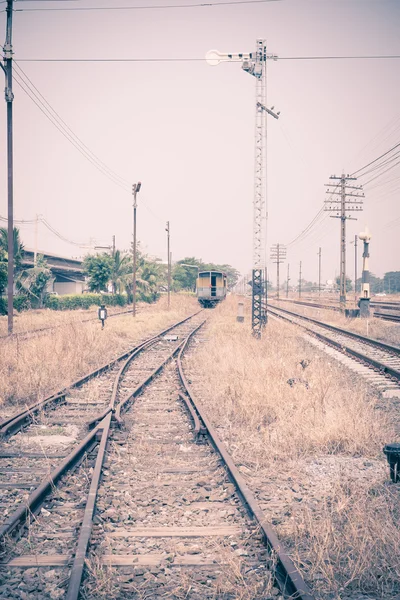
(382, 367)
(14, 423)
(287, 576)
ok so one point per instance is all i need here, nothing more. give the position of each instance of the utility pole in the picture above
(278, 255)
(300, 281)
(36, 240)
(169, 264)
(9, 97)
(287, 281)
(355, 268)
(319, 272)
(135, 189)
(113, 246)
(342, 206)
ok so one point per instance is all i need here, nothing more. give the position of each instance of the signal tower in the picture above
(255, 63)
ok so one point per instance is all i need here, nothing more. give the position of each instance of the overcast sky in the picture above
(186, 130)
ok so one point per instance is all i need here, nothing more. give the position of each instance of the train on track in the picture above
(211, 288)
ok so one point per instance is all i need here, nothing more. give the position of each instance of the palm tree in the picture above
(18, 246)
(120, 268)
(121, 277)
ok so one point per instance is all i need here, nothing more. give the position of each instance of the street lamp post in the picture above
(135, 189)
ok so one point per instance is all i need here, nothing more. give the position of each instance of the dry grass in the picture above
(32, 320)
(353, 543)
(343, 529)
(247, 381)
(36, 367)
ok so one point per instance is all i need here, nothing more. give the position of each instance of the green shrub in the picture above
(21, 303)
(74, 301)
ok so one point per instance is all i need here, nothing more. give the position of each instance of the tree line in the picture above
(106, 273)
(113, 273)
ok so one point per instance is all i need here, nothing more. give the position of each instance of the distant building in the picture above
(68, 272)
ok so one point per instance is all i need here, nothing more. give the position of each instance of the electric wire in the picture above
(22, 84)
(151, 7)
(376, 159)
(40, 96)
(49, 227)
(194, 59)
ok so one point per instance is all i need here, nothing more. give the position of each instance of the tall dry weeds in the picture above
(277, 408)
(33, 368)
(311, 451)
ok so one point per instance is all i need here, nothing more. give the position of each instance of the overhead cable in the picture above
(64, 131)
(202, 59)
(40, 96)
(148, 7)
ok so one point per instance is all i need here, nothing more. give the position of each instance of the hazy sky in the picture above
(186, 130)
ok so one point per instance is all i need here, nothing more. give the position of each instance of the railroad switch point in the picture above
(392, 452)
(170, 338)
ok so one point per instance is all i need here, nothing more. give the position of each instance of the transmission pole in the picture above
(319, 272)
(135, 189)
(287, 281)
(342, 206)
(300, 281)
(9, 97)
(169, 265)
(355, 269)
(278, 255)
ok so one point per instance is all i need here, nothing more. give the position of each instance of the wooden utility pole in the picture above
(319, 272)
(169, 264)
(342, 206)
(300, 281)
(278, 255)
(287, 281)
(135, 189)
(9, 97)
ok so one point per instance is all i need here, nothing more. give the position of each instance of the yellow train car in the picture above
(210, 287)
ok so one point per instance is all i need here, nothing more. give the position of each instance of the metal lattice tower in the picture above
(260, 163)
(254, 63)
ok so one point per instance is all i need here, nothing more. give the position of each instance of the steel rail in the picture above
(371, 341)
(78, 564)
(38, 495)
(287, 576)
(381, 367)
(140, 387)
(377, 315)
(15, 422)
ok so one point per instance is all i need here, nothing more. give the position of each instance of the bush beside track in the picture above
(74, 301)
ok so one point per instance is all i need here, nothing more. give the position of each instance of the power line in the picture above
(194, 59)
(49, 227)
(63, 130)
(151, 7)
(48, 106)
(376, 159)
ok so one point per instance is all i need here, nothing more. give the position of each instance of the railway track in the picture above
(385, 316)
(378, 362)
(148, 504)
